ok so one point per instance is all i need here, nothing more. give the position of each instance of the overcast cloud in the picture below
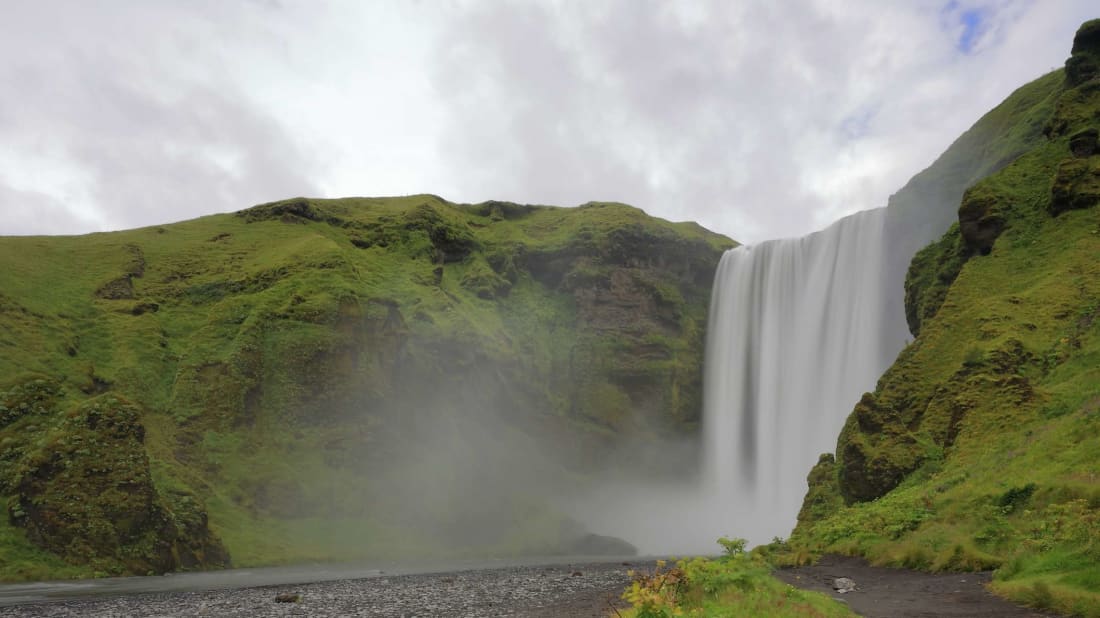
(757, 119)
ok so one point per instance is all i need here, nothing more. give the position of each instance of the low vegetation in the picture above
(738, 584)
(334, 379)
(978, 448)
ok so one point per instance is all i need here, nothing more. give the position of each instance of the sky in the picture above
(758, 118)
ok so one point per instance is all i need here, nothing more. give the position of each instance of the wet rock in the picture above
(288, 597)
(600, 545)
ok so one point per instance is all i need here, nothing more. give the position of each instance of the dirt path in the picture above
(901, 593)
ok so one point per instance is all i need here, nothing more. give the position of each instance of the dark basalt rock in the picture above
(1084, 142)
(874, 451)
(84, 491)
(1080, 69)
(870, 471)
(145, 307)
(931, 272)
(1087, 39)
(121, 288)
(981, 218)
(601, 545)
(1076, 185)
(285, 210)
(293, 210)
(869, 415)
(500, 211)
(1083, 64)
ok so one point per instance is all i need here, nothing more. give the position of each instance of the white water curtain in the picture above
(799, 328)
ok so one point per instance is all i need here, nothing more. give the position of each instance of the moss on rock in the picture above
(930, 274)
(1076, 185)
(823, 496)
(82, 489)
(874, 451)
(1083, 65)
(303, 351)
(978, 447)
(982, 217)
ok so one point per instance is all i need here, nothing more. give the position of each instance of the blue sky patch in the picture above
(974, 25)
(970, 23)
(858, 124)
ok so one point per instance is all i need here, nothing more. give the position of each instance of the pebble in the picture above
(505, 592)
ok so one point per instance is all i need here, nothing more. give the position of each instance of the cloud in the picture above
(125, 119)
(25, 212)
(757, 119)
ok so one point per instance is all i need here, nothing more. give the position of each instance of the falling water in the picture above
(799, 329)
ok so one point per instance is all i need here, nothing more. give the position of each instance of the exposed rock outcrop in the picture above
(981, 218)
(1076, 185)
(302, 360)
(1083, 64)
(82, 489)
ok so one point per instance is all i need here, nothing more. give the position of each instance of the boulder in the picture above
(843, 585)
(601, 545)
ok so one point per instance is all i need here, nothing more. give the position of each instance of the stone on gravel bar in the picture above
(843, 584)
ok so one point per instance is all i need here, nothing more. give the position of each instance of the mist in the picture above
(479, 484)
(455, 469)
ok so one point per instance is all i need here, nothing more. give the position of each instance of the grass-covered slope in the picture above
(980, 446)
(928, 204)
(332, 379)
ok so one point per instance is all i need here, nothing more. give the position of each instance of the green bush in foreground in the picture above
(737, 584)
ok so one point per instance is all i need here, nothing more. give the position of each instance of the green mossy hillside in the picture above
(264, 386)
(980, 446)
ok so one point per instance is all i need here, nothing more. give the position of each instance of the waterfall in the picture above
(799, 329)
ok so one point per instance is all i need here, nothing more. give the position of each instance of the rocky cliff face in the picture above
(978, 447)
(80, 486)
(312, 366)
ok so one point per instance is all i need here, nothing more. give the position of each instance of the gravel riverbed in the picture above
(560, 591)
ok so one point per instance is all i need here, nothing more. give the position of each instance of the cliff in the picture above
(978, 447)
(334, 379)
